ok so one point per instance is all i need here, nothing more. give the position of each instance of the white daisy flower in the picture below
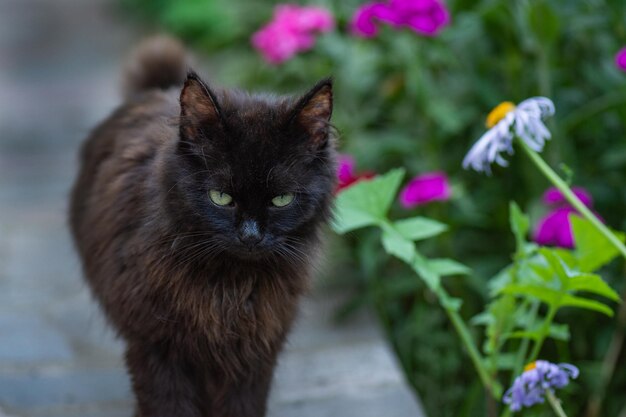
(505, 122)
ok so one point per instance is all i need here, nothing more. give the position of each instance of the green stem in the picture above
(523, 350)
(507, 412)
(609, 363)
(571, 197)
(458, 323)
(544, 333)
(555, 404)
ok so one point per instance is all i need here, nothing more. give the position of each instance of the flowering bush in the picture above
(414, 80)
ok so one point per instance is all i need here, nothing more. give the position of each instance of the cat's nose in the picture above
(249, 233)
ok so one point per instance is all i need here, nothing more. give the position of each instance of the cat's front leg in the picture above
(246, 397)
(165, 384)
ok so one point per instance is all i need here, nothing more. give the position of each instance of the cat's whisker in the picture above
(183, 179)
(292, 253)
(173, 240)
(189, 253)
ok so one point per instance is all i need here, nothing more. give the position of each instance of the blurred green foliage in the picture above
(417, 102)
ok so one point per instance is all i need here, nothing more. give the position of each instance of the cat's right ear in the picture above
(198, 108)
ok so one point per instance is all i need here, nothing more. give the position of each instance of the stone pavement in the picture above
(59, 61)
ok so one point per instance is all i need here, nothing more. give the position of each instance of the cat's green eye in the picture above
(283, 200)
(220, 198)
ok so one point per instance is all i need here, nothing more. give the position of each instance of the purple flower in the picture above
(291, 31)
(620, 59)
(555, 228)
(530, 387)
(425, 188)
(425, 17)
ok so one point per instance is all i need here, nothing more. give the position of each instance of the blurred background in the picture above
(415, 98)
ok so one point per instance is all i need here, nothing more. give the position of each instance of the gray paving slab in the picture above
(54, 387)
(28, 338)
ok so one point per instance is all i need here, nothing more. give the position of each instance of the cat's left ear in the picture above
(312, 112)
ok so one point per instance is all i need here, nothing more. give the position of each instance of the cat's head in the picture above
(253, 174)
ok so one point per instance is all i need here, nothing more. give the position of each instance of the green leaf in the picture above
(537, 267)
(367, 202)
(556, 331)
(430, 277)
(593, 249)
(397, 245)
(523, 334)
(445, 267)
(558, 299)
(418, 228)
(594, 284)
(567, 256)
(520, 224)
(482, 319)
(559, 332)
(558, 266)
(504, 312)
(547, 295)
(575, 301)
(501, 279)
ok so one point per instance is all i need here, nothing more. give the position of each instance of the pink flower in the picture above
(425, 188)
(555, 229)
(620, 59)
(425, 17)
(304, 19)
(364, 19)
(346, 174)
(291, 30)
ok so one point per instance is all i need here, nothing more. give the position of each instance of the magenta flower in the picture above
(291, 30)
(363, 21)
(555, 228)
(346, 173)
(620, 59)
(425, 188)
(553, 197)
(425, 17)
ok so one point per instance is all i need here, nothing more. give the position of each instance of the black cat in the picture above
(197, 216)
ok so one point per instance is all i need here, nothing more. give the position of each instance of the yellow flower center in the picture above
(530, 366)
(498, 113)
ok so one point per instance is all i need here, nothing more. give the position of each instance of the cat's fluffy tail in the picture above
(158, 62)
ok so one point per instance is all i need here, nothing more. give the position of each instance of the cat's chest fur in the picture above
(220, 301)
